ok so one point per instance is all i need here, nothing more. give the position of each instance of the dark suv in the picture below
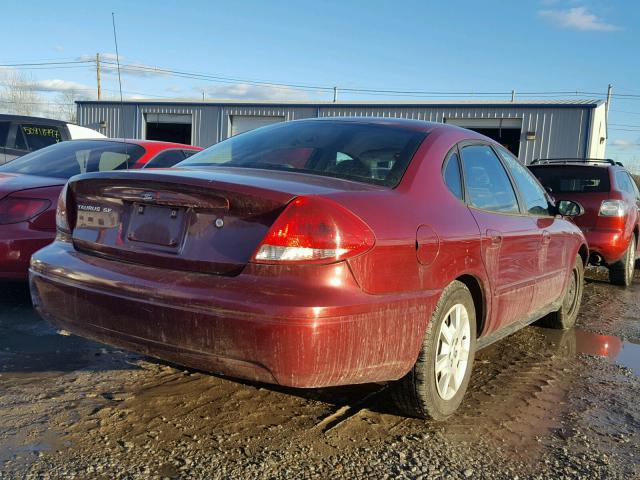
(611, 202)
(20, 135)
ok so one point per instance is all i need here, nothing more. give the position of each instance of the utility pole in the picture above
(335, 94)
(513, 96)
(606, 111)
(98, 76)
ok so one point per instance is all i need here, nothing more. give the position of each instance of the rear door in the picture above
(555, 240)
(636, 194)
(627, 185)
(510, 238)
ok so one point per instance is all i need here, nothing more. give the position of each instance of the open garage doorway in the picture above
(168, 127)
(506, 131)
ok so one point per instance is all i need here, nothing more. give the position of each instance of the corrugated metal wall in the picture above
(559, 131)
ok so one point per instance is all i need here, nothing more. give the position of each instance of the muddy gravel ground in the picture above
(541, 404)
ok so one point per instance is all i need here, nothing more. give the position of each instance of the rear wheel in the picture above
(436, 384)
(565, 316)
(621, 272)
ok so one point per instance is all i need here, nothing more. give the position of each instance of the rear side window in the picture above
(572, 179)
(532, 193)
(70, 158)
(452, 175)
(40, 136)
(634, 186)
(166, 159)
(487, 182)
(4, 132)
(624, 183)
(363, 152)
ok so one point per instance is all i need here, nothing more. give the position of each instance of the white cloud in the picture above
(56, 85)
(243, 91)
(578, 18)
(58, 48)
(625, 144)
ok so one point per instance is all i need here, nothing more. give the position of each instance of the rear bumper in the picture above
(609, 244)
(17, 243)
(299, 327)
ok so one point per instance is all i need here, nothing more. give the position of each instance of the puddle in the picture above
(615, 349)
(10, 452)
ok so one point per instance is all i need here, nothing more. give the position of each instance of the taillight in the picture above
(314, 230)
(612, 208)
(19, 209)
(62, 221)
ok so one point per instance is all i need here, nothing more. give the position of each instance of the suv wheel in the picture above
(436, 384)
(565, 317)
(621, 272)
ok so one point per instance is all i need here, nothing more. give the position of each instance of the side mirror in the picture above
(569, 208)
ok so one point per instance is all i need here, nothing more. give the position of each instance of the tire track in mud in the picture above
(517, 395)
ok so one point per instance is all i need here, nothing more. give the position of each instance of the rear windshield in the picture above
(66, 159)
(567, 179)
(367, 153)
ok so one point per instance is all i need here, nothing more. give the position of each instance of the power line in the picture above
(42, 64)
(624, 125)
(626, 111)
(140, 68)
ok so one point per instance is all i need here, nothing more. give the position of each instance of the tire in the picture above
(565, 317)
(432, 391)
(621, 272)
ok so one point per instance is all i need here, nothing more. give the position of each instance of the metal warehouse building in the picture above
(530, 129)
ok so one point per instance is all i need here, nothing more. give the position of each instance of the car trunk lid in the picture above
(15, 182)
(206, 221)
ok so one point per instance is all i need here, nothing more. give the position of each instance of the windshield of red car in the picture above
(66, 159)
(572, 179)
(369, 153)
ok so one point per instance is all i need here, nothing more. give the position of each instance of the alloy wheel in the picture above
(451, 360)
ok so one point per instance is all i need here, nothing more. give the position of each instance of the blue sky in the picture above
(434, 46)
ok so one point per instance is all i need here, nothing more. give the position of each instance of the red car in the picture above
(316, 253)
(611, 202)
(31, 184)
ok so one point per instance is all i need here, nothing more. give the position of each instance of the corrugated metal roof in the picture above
(589, 103)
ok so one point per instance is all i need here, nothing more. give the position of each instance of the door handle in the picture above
(546, 237)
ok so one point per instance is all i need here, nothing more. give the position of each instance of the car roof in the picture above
(409, 124)
(25, 118)
(576, 162)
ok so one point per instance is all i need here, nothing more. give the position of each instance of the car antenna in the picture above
(121, 115)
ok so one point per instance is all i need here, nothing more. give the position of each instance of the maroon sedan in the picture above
(316, 253)
(31, 184)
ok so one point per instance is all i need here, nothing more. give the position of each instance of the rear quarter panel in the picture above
(421, 201)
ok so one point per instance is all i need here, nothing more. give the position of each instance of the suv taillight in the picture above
(314, 230)
(62, 222)
(612, 208)
(20, 209)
